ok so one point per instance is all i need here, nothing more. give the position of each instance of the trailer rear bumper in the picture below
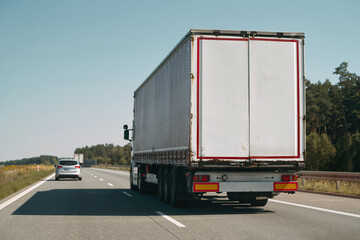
(245, 186)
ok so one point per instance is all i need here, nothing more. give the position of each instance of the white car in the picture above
(68, 168)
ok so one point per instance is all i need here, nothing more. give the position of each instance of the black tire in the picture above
(166, 178)
(175, 188)
(80, 178)
(56, 179)
(161, 184)
(132, 186)
(259, 203)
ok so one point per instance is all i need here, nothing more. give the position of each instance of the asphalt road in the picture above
(102, 206)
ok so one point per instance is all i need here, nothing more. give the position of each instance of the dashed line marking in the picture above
(170, 219)
(101, 179)
(110, 184)
(127, 194)
(95, 176)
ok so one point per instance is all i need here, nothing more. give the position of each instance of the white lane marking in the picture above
(112, 171)
(170, 219)
(90, 174)
(95, 176)
(317, 208)
(110, 184)
(13, 199)
(101, 179)
(127, 194)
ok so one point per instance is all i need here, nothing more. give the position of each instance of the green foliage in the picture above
(107, 154)
(319, 107)
(43, 159)
(334, 111)
(348, 155)
(320, 152)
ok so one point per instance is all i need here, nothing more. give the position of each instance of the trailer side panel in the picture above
(162, 107)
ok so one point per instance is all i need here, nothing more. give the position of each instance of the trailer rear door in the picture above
(223, 98)
(248, 98)
(274, 100)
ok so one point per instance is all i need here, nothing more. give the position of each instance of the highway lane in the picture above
(102, 207)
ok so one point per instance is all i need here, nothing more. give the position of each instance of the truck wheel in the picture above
(175, 180)
(132, 186)
(161, 184)
(259, 203)
(166, 178)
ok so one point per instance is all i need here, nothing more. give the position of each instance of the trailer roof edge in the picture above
(218, 32)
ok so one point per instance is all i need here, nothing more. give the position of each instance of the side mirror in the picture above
(126, 134)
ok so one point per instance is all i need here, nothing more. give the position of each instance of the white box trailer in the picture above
(224, 112)
(79, 157)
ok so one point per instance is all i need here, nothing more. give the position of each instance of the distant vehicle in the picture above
(68, 168)
(80, 158)
(224, 112)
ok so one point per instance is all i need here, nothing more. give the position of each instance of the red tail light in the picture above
(201, 178)
(285, 178)
(294, 177)
(77, 166)
(59, 166)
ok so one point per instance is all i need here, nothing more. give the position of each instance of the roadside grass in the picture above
(16, 177)
(349, 188)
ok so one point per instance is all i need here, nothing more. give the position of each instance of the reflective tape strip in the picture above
(285, 186)
(206, 187)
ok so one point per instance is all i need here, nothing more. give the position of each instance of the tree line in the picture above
(107, 154)
(43, 159)
(102, 153)
(333, 123)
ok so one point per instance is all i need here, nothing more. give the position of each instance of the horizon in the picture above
(68, 69)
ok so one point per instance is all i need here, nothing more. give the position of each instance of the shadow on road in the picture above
(113, 202)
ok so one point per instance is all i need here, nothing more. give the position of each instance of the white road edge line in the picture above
(127, 194)
(317, 208)
(20, 195)
(110, 184)
(101, 179)
(170, 219)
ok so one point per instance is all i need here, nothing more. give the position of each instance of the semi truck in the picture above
(224, 112)
(79, 157)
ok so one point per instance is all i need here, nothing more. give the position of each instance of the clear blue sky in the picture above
(68, 68)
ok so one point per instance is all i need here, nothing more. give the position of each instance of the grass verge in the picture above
(16, 177)
(343, 187)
